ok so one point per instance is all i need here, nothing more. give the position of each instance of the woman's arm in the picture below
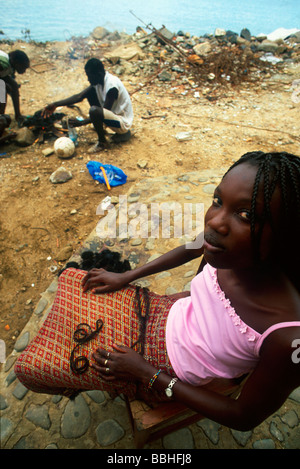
(102, 281)
(275, 377)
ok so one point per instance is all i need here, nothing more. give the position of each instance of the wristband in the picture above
(154, 377)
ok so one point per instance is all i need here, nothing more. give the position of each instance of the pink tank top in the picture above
(205, 337)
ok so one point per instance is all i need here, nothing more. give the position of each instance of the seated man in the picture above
(110, 104)
(15, 61)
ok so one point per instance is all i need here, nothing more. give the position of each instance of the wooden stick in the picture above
(105, 178)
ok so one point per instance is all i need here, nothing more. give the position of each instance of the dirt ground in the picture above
(36, 220)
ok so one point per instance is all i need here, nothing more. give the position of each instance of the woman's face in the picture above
(227, 235)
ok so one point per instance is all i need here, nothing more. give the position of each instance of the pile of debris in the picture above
(222, 58)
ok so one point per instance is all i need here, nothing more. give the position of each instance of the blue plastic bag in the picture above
(115, 176)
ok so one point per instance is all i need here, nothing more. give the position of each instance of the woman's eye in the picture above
(245, 214)
(216, 200)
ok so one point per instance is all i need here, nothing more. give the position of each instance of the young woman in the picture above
(242, 314)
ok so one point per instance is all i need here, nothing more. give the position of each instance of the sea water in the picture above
(59, 20)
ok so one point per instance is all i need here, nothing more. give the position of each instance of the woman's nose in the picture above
(218, 221)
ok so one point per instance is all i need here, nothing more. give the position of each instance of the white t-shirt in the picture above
(4, 61)
(122, 106)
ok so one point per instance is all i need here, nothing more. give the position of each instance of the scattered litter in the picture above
(269, 57)
(52, 268)
(48, 151)
(183, 136)
(115, 176)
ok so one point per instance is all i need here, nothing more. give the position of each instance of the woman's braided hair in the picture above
(280, 170)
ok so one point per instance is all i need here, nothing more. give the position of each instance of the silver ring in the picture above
(107, 370)
(105, 363)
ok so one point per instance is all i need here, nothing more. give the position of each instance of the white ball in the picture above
(64, 147)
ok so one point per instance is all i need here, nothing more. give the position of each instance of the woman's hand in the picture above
(122, 364)
(102, 281)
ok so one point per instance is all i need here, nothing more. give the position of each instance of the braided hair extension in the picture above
(280, 170)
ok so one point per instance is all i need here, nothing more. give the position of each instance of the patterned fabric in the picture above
(44, 366)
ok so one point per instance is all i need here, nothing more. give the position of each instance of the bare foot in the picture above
(99, 146)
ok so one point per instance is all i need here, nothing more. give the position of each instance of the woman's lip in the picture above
(209, 247)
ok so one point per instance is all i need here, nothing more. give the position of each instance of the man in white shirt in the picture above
(15, 61)
(110, 105)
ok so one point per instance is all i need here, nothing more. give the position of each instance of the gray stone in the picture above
(266, 443)
(25, 137)
(39, 415)
(133, 198)
(99, 33)
(5, 428)
(20, 391)
(162, 275)
(108, 432)
(245, 34)
(209, 188)
(295, 395)
(22, 444)
(51, 446)
(136, 242)
(96, 396)
(181, 439)
(9, 363)
(274, 430)
(211, 430)
(241, 437)
(290, 418)
(171, 291)
(41, 306)
(202, 49)
(268, 46)
(22, 342)
(10, 378)
(60, 176)
(3, 403)
(76, 418)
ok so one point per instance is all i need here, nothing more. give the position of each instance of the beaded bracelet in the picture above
(153, 379)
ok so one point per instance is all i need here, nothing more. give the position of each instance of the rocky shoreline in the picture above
(222, 58)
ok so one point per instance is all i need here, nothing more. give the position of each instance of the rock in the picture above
(183, 136)
(142, 164)
(60, 176)
(76, 418)
(39, 415)
(231, 37)
(25, 137)
(48, 151)
(220, 32)
(64, 253)
(202, 49)
(267, 46)
(265, 443)
(165, 76)
(245, 34)
(182, 439)
(211, 430)
(22, 342)
(108, 432)
(99, 33)
(125, 52)
(166, 33)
